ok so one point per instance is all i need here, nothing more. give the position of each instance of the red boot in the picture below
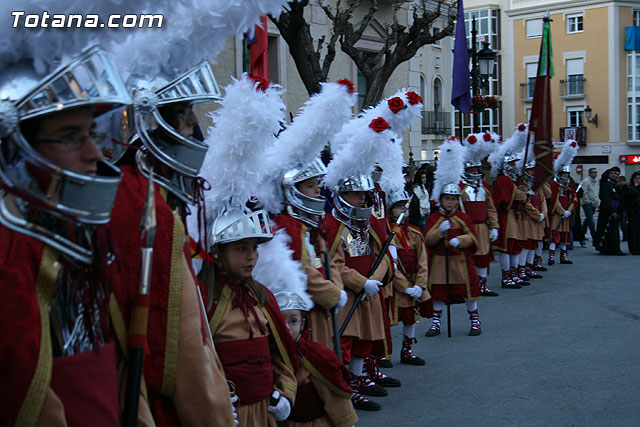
(507, 282)
(564, 257)
(482, 281)
(531, 273)
(537, 264)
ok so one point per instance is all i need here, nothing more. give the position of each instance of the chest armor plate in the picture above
(355, 243)
(475, 194)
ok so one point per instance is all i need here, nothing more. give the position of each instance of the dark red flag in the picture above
(540, 128)
(258, 47)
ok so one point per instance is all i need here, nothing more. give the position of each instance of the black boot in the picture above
(406, 356)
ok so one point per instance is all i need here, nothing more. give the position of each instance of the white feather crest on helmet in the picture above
(514, 144)
(569, 151)
(399, 111)
(193, 30)
(244, 126)
(321, 117)
(360, 148)
(277, 270)
(190, 30)
(480, 145)
(449, 168)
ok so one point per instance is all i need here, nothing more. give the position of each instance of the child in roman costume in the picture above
(349, 226)
(477, 202)
(251, 338)
(561, 204)
(509, 196)
(410, 282)
(452, 241)
(323, 396)
(292, 172)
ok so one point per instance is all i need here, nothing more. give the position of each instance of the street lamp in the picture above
(587, 115)
(482, 64)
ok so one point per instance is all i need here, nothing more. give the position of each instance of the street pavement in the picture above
(562, 352)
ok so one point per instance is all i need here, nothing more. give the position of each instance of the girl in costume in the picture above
(450, 234)
(256, 351)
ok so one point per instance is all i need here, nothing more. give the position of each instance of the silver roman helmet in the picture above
(39, 185)
(451, 188)
(511, 171)
(397, 197)
(347, 212)
(299, 205)
(176, 158)
(238, 223)
(289, 300)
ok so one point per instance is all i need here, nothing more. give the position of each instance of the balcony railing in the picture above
(526, 90)
(572, 87)
(436, 123)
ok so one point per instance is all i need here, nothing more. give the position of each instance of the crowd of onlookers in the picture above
(614, 200)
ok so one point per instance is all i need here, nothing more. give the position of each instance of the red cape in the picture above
(166, 247)
(327, 365)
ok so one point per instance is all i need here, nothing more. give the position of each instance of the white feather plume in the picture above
(277, 270)
(515, 144)
(194, 30)
(569, 151)
(480, 145)
(244, 127)
(321, 117)
(46, 47)
(360, 149)
(450, 166)
(391, 162)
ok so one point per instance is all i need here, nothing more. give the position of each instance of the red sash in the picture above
(308, 406)
(87, 384)
(535, 201)
(477, 211)
(409, 260)
(248, 364)
(564, 202)
(362, 264)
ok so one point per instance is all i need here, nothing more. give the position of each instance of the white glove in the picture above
(342, 301)
(234, 399)
(493, 234)
(282, 409)
(371, 287)
(414, 292)
(455, 242)
(566, 214)
(446, 225)
(541, 217)
(394, 252)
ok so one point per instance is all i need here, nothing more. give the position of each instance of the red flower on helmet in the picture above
(396, 104)
(522, 127)
(414, 98)
(348, 84)
(472, 139)
(573, 144)
(263, 84)
(379, 124)
(487, 136)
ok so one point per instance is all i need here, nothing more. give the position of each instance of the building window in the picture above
(437, 94)
(575, 117)
(487, 26)
(532, 71)
(534, 28)
(636, 17)
(437, 42)
(362, 89)
(423, 155)
(574, 23)
(575, 76)
(633, 96)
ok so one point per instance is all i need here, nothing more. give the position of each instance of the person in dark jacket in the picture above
(607, 239)
(631, 197)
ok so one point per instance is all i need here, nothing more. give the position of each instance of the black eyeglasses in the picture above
(77, 141)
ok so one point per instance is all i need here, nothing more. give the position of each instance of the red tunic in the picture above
(169, 245)
(505, 197)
